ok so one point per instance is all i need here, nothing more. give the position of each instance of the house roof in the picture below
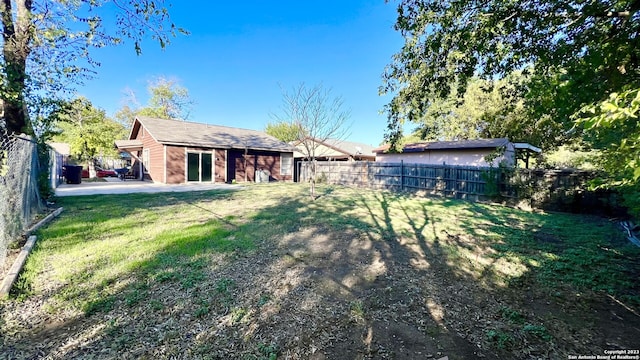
(128, 144)
(449, 145)
(337, 148)
(186, 133)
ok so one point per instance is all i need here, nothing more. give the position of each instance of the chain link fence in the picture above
(19, 196)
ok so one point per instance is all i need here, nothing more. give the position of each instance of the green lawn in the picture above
(265, 272)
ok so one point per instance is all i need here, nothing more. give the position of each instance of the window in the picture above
(286, 164)
(145, 160)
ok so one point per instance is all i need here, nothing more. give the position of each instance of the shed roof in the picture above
(186, 133)
(449, 145)
(527, 146)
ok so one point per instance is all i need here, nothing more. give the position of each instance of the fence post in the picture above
(365, 175)
(455, 183)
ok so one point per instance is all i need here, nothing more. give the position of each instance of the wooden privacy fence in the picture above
(560, 190)
(444, 180)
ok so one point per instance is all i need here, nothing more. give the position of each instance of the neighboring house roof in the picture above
(336, 147)
(350, 147)
(186, 133)
(449, 145)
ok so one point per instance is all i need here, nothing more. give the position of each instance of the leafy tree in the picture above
(482, 111)
(317, 115)
(578, 52)
(168, 100)
(88, 131)
(613, 128)
(46, 47)
(489, 109)
(126, 114)
(283, 130)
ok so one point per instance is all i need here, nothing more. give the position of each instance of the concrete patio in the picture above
(116, 186)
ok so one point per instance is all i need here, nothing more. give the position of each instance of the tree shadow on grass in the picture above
(344, 276)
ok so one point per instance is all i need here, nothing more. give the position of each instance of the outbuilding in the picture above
(477, 152)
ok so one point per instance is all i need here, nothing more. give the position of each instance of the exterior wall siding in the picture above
(239, 165)
(461, 157)
(155, 170)
(167, 163)
(211, 151)
(220, 161)
(231, 160)
(175, 164)
(269, 161)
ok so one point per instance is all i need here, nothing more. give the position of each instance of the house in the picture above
(331, 150)
(334, 150)
(175, 151)
(463, 152)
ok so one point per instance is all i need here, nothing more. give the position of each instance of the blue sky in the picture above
(239, 54)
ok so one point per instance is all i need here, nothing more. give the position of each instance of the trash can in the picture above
(73, 174)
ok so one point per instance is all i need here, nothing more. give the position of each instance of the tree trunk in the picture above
(312, 183)
(17, 35)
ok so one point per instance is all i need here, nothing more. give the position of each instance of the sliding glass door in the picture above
(200, 166)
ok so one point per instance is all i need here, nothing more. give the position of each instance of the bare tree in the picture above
(318, 116)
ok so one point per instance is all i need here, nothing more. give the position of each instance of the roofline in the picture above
(139, 145)
(228, 147)
(137, 118)
(177, 143)
(200, 123)
(527, 146)
(331, 146)
(133, 125)
(384, 148)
